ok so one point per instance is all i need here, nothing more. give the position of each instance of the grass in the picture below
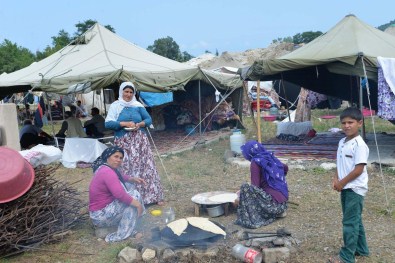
(315, 220)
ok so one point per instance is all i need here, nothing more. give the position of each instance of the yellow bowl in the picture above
(156, 212)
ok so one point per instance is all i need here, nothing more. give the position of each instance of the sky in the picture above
(196, 26)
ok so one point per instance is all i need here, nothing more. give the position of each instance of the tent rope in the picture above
(375, 137)
(160, 159)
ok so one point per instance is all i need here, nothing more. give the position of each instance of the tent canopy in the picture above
(332, 63)
(100, 58)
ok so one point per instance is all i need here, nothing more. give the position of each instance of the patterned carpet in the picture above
(322, 146)
(174, 141)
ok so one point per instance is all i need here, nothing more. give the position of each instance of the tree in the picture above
(186, 56)
(306, 37)
(14, 57)
(82, 27)
(166, 47)
(282, 40)
(384, 27)
(216, 52)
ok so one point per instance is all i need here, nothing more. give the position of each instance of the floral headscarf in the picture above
(272, 169)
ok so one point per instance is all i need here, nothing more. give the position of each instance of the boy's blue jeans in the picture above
(353, 231)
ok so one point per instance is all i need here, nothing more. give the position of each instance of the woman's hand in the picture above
(139, 207)
(127, 124)
(137, 180)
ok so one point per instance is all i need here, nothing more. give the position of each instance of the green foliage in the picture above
(282, 40)
(82, 27)
(306, 37)
(216, 52)
(169, 48)
(14, 57)
(385, 26)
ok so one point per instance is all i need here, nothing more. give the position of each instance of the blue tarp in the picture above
(154, 99)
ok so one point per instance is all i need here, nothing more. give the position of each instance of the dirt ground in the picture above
(314, 216)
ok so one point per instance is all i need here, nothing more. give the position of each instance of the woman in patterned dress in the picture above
(265, 199)
(124, 114)
(113, 198)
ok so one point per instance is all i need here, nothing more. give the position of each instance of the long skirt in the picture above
(118, 214)
(139, 162)
(256, 207)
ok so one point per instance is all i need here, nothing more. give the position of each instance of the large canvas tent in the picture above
(100, 58)
(333, 63)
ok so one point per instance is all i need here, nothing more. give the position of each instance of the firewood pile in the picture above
(44, 214)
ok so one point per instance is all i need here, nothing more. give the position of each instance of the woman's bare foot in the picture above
(161, 203)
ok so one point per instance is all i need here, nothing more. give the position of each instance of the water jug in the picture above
(246, 254)
(237, 139)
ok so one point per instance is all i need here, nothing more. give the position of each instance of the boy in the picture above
(352, 181)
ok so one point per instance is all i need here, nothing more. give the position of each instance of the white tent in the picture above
(100, 58)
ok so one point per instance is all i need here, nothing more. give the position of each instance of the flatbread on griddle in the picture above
(178, 226)
(206, 225)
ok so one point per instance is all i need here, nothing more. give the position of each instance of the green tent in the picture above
(332, 63)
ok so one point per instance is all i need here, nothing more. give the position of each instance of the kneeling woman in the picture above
(113, 198)
(262, 201)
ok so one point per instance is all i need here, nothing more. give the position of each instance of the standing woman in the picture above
(124, 114)
(113, 198)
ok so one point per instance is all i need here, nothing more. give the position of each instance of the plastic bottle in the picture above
(237, 139)
(169, 215)
(246, 254)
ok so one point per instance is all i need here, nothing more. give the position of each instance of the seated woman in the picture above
(224, 116)
(112, 200)
(265, 199)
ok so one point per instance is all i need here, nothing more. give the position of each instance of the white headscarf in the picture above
(133, 102)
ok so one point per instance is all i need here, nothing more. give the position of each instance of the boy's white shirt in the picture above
(349, 154)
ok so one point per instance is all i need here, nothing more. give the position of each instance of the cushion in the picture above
(294, 128)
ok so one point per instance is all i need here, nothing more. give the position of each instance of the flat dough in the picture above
(224, 198)
(178, 226)
(206, 225)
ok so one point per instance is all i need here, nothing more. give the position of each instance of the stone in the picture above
(148, 254)
(257, 242)
(183, 253)
(168, 254)
(102, 232)
(276, 254)
(278, 242)
(128, 255)
(328, 166)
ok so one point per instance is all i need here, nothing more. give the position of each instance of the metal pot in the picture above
(215, 211)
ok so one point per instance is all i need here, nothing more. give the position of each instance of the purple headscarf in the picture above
(271, 167)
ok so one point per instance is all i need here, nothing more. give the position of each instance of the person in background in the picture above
(351, 180)
(81, 110)
(113, 198)
(95, 126)
(71, 127)
(128, 118)
(30, 135)
(265, 199)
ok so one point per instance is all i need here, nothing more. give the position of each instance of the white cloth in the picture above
(388, 66)
(294, 128)
(349, 154)
(42, 154)
(81, 150)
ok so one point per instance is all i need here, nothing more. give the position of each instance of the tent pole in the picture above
(200, 112)
(285, 95)
(361, 107)
(104, 100)
(258, 109)
(50, 113)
